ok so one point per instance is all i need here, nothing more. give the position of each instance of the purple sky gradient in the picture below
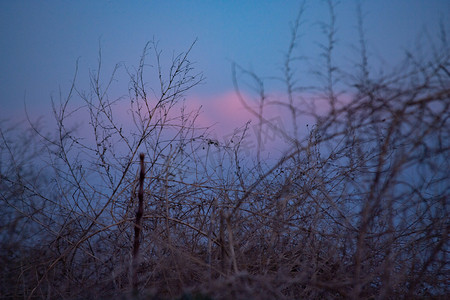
(40, 42)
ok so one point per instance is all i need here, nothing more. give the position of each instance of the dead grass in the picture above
(356, 208)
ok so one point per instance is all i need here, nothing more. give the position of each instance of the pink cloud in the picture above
(224, 112)
(227, 115)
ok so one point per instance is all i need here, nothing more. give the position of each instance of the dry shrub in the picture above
(356, 207)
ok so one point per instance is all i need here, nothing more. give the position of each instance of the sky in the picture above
(40, 42)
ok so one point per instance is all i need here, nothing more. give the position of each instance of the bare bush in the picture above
(356, 207)
(361, 208)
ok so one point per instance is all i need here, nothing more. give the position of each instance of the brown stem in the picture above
(138, 224)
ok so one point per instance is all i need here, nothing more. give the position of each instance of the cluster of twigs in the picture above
(355, 208)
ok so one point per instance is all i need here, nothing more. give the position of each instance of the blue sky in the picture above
(40, 41)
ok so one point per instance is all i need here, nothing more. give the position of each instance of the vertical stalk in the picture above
(138, 225)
